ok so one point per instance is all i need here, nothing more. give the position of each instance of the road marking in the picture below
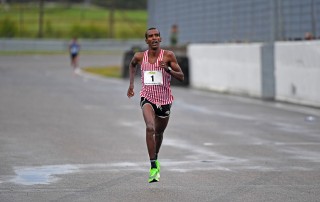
(204, 110)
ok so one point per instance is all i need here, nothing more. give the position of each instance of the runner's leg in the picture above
(160, 126)
(148, 115)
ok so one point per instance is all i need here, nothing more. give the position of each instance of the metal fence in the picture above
(235, 21)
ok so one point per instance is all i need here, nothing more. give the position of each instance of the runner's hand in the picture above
(163, 65)
(130, 92)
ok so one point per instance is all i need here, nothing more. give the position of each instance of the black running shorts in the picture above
(162, 111)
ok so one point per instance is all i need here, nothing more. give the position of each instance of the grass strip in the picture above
(107, 71)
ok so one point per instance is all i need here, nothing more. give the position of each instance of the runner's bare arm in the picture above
(176, 71)
(132, 72)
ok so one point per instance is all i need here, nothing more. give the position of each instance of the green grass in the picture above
(65, 22)
(108, 71)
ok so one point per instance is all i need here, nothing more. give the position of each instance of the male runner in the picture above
(157, 67)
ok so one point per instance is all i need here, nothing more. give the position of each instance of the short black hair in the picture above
(151, 28)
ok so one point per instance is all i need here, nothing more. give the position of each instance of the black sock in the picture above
(153, 163)
(156, 156)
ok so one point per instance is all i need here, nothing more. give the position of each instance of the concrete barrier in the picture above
(298, 72)
(241, 69)
(229, 68)
(62, 45)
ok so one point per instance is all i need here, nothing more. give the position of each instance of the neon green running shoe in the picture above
(154, 175)
(158, 165)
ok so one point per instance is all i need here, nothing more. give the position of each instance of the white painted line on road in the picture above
(201, 153)
(204, 110)
(274, 104)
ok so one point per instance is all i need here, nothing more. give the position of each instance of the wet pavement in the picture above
(67, 137)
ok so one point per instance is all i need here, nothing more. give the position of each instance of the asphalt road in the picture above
(79, 138)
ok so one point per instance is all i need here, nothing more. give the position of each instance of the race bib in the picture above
(74, 49)
(153, 78)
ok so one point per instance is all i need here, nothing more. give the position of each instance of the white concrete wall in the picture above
(298, 72)
(236, 68)
(231, 68)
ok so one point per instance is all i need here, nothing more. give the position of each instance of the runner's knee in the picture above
(150, 129)
(159, 134)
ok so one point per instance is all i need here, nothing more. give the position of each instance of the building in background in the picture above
(221, 21)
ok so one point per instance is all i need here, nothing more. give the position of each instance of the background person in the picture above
(174, 35)
(308, 36)
(74, 49)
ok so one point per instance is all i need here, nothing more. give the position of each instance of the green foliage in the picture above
(8, 28)
(90, 31)
(60, 21)
(49, 31)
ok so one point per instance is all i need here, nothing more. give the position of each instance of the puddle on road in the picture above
(41, 174)
(49, 174)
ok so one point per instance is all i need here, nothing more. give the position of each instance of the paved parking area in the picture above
(79, 138)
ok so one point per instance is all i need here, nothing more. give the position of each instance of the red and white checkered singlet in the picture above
(159, 94)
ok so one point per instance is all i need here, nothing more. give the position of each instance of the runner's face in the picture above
(153, 38)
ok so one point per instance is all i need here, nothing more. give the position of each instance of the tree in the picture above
(111, 18)
(41, 14)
